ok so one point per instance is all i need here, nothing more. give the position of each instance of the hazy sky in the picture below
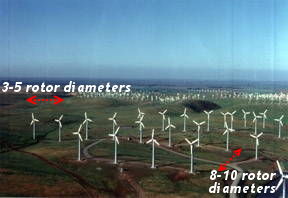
(205, 39)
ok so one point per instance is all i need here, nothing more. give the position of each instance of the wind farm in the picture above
(126, 151)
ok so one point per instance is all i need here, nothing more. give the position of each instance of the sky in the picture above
(179, 39)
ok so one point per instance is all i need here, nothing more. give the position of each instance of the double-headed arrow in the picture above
(33, 99)
(223, 167)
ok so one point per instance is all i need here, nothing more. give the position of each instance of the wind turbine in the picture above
(153, 149)
(245, 117)
(140, 114)
(86, 121)
(280, 124)
(225, 117)
(191, 153)
(198, 130)
(284, 177)
(116, 141)
(185, 116)
(169, 126)
(255, 121)
(257, 143)
(79, 140)
(114, 123)
(227, 131)
(264, 116)
(33, 121)
(60, 126)
(232, 118)
(208, 119)
(163, 118)
(141, 127)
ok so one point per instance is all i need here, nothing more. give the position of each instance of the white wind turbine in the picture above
(280, 125)
(141, 127)
(232, 118)
(245, 117)
(140, 113)
(79, 141)
(225, 117)
(284, 177)
(169, 126)
(60, 127)
(256, 137)
(163, 118)
(264, 116)
(227, 132)
(33, 122)
(86, 121)
(255, 121)
(153, 149)
(191, 153)
(198, 130)
(114, 123)
(116, 141)
(185, 116)
(208, 113)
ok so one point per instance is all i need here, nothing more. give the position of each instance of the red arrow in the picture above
(238, 152)
(58, 100)
(222, 167)
(33, 100)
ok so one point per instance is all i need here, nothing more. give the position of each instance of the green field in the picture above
(45, 167)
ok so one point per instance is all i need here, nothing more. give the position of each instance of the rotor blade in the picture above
(188, 141)
(31, 122)
(116, 139)
(253, 136)
(85, 114)
(114, 121)
(80, 137)
(155, 141)
(60, 124)
(32, 116)
(149, 141)
(195, 141)
(279, 167)
(202, 123)
(279, 183)
(259, 135)
(164, 111)
(116, 131)
(61, 117)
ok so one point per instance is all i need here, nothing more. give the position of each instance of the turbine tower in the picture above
(185, 116)
(284, 177)
(86, 121)
(198, 130)
(60, 127)
(280, 125)
(163, 118)
(191, 153)
(141, 127)
(153, 149)
(116, 141)
(33, 122)
(256, 143)
(169, 126)
(79, 141)
(208, 119)
(245, 117)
